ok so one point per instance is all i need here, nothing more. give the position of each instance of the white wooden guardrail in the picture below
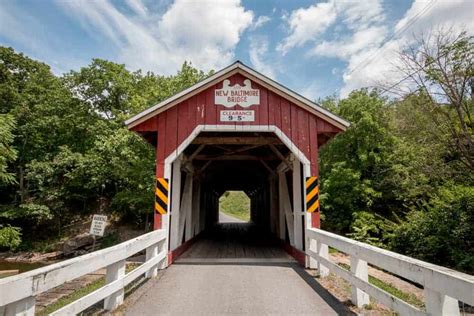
(17, 293)
(443, 287)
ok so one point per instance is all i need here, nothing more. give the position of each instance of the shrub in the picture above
(10, 237)
(372, 229)
(441, 232)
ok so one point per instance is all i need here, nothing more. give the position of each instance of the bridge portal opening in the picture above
(234, 207)
(251, 176)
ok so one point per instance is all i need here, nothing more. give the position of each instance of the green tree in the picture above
(7, 152)
(359, 170)
(10, 237)
(441, 231)
(440, 66)
(75, 156)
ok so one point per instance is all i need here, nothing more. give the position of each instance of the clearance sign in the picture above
(243, 96)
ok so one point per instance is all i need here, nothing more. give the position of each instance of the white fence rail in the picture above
(443, 287)
(17, 293)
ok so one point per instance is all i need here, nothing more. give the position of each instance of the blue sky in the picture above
(317, 48)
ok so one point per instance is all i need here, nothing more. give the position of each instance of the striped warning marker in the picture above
(161, 195)
(312, 194)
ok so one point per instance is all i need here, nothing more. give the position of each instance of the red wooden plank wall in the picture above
(177, 123)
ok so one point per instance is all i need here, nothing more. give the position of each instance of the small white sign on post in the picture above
(98, 225)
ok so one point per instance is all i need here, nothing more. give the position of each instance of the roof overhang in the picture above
(255, 76)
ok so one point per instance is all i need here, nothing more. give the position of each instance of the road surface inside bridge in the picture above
(224, 218)
(231, 271)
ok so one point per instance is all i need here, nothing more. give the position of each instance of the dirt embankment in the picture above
(76, 242)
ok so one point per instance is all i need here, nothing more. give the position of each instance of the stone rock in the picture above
(77, 242)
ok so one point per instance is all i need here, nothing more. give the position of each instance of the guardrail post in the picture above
(115, 272)
(24, 307)
(323, 251)
(313, 246)
(150, 253)
(438, 304)
(360, 270)
(163, 247)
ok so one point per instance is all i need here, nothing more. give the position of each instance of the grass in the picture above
(68, 299)
(404, 296)
(410, 298)
(235, 204)
(63, 301)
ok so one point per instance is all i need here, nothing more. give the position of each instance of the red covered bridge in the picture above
(238, 130)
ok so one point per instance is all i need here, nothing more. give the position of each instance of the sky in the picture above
(317, 48)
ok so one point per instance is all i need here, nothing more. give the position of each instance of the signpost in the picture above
(98, 226)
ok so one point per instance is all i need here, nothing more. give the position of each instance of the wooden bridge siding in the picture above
(177, 123)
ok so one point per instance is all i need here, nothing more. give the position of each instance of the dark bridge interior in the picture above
(240, 162)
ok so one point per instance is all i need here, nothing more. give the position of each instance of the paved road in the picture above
(252, 288)
(224, 218)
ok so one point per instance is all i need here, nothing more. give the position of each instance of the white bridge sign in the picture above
(98, 225)
(237, 116)
(244, 95)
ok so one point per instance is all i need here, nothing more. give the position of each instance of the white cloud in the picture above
(306, 24)
(360, 40)
(453, 13)
(258, 49)
(309, 24)
(378, 64)
(138, 7)
(312, 91)
(13, 28)
(28, 34)
(261, 20)
(363, 21)
(360, 14)
(204, 33)
(370, 58)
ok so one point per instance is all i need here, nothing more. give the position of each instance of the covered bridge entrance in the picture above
(237, 130)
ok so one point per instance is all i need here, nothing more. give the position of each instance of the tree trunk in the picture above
(21, 175)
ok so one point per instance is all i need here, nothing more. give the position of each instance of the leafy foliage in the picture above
(400, 177)
(10, 237)
(441, 66)
(372, 229)
(360, 163)
(65, 152)
(441, 232)
(7, 151)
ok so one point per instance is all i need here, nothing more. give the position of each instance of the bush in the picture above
(441, 232)
(372, 229)
(10, 237)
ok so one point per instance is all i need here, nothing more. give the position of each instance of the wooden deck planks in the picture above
(236, 240)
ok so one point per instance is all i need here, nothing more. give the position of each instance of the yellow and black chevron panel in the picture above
(312, 194)
(161, 195)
